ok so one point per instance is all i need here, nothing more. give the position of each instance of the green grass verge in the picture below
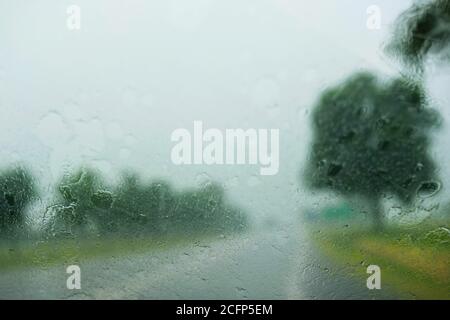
(71, 251)
(413, 264)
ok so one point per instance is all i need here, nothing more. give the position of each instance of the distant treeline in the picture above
(85, 205)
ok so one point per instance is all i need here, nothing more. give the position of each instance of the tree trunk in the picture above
(375, 210)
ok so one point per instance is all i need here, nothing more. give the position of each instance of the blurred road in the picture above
(275, 264)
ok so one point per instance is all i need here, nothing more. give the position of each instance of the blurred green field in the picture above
(414, 262)
(43, 254)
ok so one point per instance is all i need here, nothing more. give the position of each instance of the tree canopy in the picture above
(421, 30)
(17, 191)
(87, 205)
(371, 138)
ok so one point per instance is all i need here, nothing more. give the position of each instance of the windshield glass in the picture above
(199, 149)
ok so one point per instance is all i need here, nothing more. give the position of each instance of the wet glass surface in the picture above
(272, 149)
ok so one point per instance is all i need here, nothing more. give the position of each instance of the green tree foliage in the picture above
(140, 207)
(422, 29)
(17, 191)
(82, 203)
(371, 139)
(205, 209)
(87, 206)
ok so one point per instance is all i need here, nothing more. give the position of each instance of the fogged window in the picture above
(224, 149)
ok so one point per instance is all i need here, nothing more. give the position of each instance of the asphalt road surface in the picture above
(271, 264)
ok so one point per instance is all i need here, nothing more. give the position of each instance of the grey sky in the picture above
(110, 94)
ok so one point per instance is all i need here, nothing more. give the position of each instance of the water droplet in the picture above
(52, 129)
(440, 235)
(428, 189)
(203, 179)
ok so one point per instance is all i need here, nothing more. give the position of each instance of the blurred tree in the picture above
(17, 191)
(371, 139)
(138, 206)
(83, 205)
(422, 29)
(211, 212)
(201, 209)
(162, 207)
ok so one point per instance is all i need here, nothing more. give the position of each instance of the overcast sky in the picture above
(109, 95)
